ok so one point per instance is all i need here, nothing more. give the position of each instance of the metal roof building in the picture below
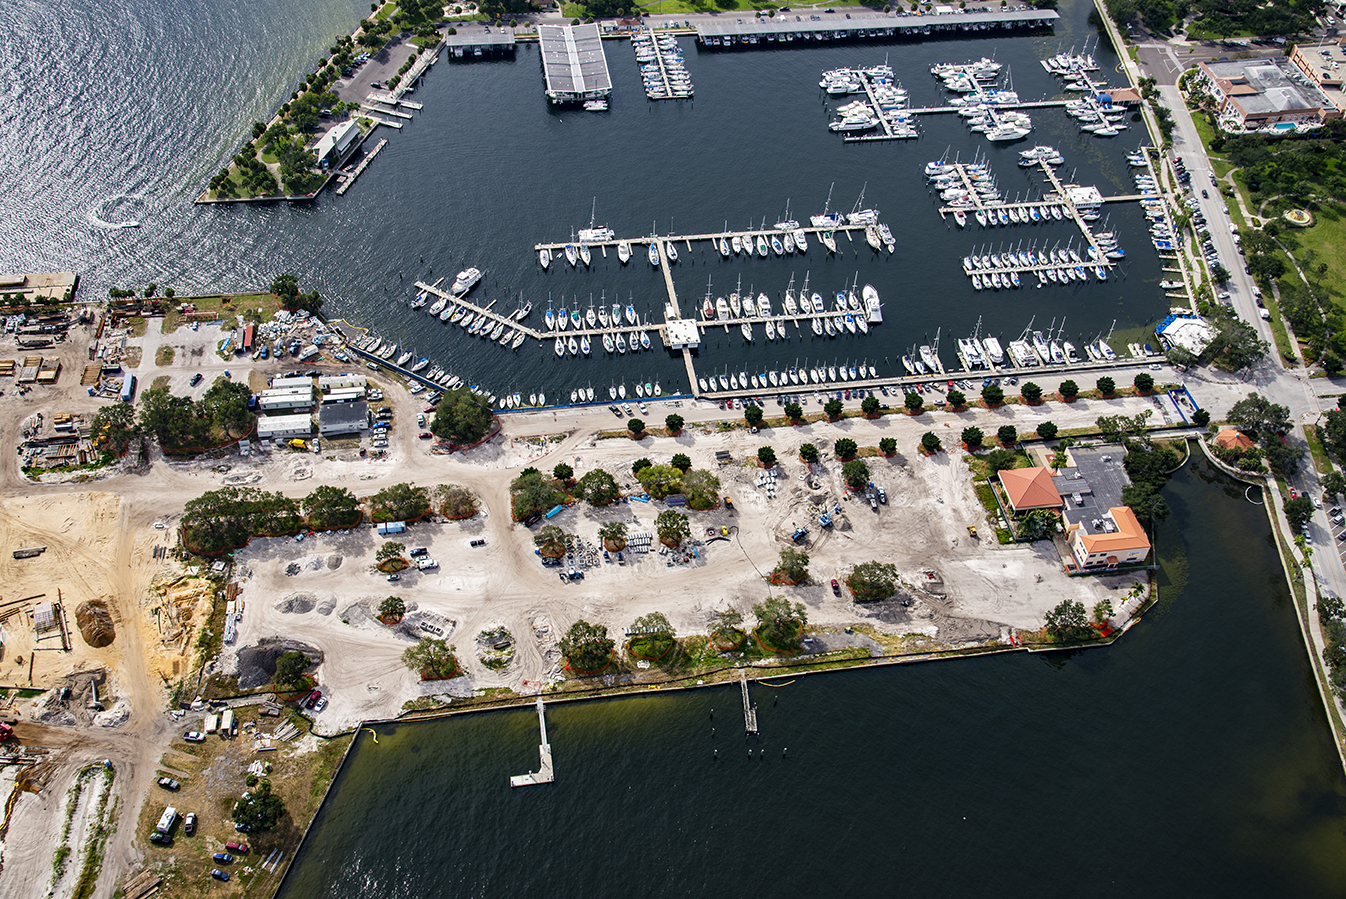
(573, 63)
(469, 43)
(830, 27)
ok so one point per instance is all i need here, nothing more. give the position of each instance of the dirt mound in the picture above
(333, 562)
(257, 664)
(95, 623)
(297, 603)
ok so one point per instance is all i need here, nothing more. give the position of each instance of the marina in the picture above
(661, 67)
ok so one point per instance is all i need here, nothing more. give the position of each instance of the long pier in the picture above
(688, 238)
(749, 710)
(546, 772)
(364, 163)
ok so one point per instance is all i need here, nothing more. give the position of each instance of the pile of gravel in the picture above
(257, 664)
(297, 603)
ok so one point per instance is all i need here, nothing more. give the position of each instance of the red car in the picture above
(240, 848)
(836, 588)
(426, 435)
(312, 699)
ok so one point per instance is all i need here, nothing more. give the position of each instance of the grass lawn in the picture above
(1320, 457)
(226, 306)
(1326, 237)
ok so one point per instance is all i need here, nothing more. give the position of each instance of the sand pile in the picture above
(95, 623)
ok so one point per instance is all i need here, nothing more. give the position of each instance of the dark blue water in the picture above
(1191, 759)
(487, 169)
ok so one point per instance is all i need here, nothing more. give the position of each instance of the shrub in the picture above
(930, 442)
(972, 437)
(808, 453)
(914, 403)
(1046, 430)
(887, 445)
(992, 395)
(845, 448)
(1068, 390)
(767, 456)
(1008, 435)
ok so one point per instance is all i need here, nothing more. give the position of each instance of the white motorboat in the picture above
(544, 257)
(624, 252)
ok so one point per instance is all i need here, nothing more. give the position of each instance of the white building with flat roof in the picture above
(279, 427)
(332, 146)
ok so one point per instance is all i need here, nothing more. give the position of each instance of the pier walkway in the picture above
(546, 772)
(688, 238)
(364, 163)
(749, 710)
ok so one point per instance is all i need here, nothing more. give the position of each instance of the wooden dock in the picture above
(364, 163)
(749, 710)
(546, 772)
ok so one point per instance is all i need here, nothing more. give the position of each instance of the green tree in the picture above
(586, 646)
(229, 517)
(1144, 382)
(856, 474)
(870, 406)
(808, 453)
(972, 437)
(752, 415)
(702, 489)
(434, 659)
(1046, 430)
(457, 501)
(462, 417)
(388, 551)
(660, 480)
(998, 460)
(285, 286)
(672, 527)
(674, 423)
(1068, 390)
(1201, 418)
(653, 623)
(845, 448)
(290, 671)
(114, 428)
(793, 565)
(172, 421)
(767, 456)
(956, 399)
(332, 507)
(1264, 420)
(551, 540)
(399, 502)
(794, 411)
(1298, 511)
(681, 461)
(597, 487)
(1126, 427)
(637, 465)
(563, 472)
(636, 427)
(914, 403)
(225, 403)
(887, 445)
(930, 441)
(1008, 435)
(613, 535)
(832, 409)
(1334, 484)
(1037, 524)
(727, 627)
(533, 493)
(260, 810)
(992, 395)
(392, 608)
(1102, 611)
(1068, 621)
(1031, 393)
(1106, 386)
(872, 581)
(780, 623)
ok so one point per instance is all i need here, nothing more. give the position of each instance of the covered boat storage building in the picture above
(803, 28)
(573, 63)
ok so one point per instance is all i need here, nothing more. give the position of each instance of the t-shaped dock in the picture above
(546, 773)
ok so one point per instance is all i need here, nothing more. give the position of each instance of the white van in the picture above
(427, 564)
(166, 820)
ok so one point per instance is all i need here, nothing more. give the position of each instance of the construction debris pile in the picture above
(95, 623)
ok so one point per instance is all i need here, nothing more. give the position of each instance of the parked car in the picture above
(418, 552)
(836, 587)
(240, 848)
(189, 824)
(160, 838)
(320, 704)
(312, 699)
(425, 435)
(194, 736)
(218, 874)
(223, 858)
(394, 578)
(168, 783)
(196, 379)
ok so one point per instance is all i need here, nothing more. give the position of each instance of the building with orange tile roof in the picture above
(1116, 538)
(1233, 438)
(1030, 488)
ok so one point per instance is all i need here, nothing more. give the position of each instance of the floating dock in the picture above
(546, 773)
(749, 710)
(573, 63)
(364, 163)
(643, 243)
(785, 29)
